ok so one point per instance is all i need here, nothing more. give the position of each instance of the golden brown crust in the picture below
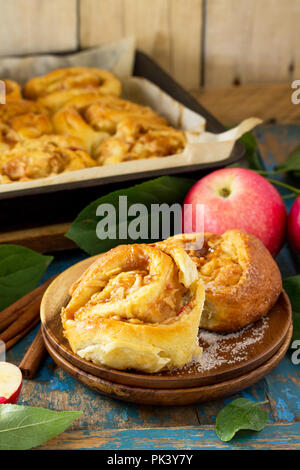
(242, 280)
(131, 310)
(140, 138)
(25, 119)
(45, 156)
(82, 102)
(56, 88)
(93, 118)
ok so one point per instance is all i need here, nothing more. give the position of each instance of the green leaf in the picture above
(20, 271)
(292, 287)
(292, 163)
(166, 189)
(24, 427)
(240, 414)
(252, 154)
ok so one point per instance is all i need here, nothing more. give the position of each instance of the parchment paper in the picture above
(117, 57)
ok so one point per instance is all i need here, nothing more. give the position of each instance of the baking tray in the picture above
(62, 202)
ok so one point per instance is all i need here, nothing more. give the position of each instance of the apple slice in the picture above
(10, 383)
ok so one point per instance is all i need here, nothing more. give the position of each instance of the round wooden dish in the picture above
(167, 397)
(224, 356)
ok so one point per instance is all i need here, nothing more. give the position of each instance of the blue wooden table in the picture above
(110, 424)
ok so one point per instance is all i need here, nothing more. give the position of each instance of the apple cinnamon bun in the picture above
(45, 156)
(93, 118)
(25, 119)
(242, 281)
(136, 307)
(56, 88)
(8, 138)
(138, 139)
(12, 90)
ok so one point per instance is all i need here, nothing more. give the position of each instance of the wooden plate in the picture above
(167, 397)
(224, 356)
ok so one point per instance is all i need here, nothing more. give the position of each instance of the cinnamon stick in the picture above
(25, 319)
(18, 308)
(21, 334)
(33, 357)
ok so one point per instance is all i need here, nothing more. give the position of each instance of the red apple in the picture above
(242, 199)
(10, 383)
(294, 224)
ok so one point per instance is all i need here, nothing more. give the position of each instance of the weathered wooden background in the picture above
(201, 42)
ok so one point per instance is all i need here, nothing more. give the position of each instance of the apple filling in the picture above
(217, 262)
(142, 285)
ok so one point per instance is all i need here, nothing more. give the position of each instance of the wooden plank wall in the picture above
(32, 26)
(200, 42)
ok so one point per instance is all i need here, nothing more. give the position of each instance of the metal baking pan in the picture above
(62, 202)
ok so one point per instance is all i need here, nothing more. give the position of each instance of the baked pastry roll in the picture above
(25, 119)
(93, 118)
(12, 90)
(8, 137)
(45, 156)
(242, 280)
(136, 308)
(56, 88)
(137, 139)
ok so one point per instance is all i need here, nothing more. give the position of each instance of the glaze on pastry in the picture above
(56, 88)
(136, 307)
(93, 118)
(242, 280)
(138, 139)
(84, 103)
(45, 156)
